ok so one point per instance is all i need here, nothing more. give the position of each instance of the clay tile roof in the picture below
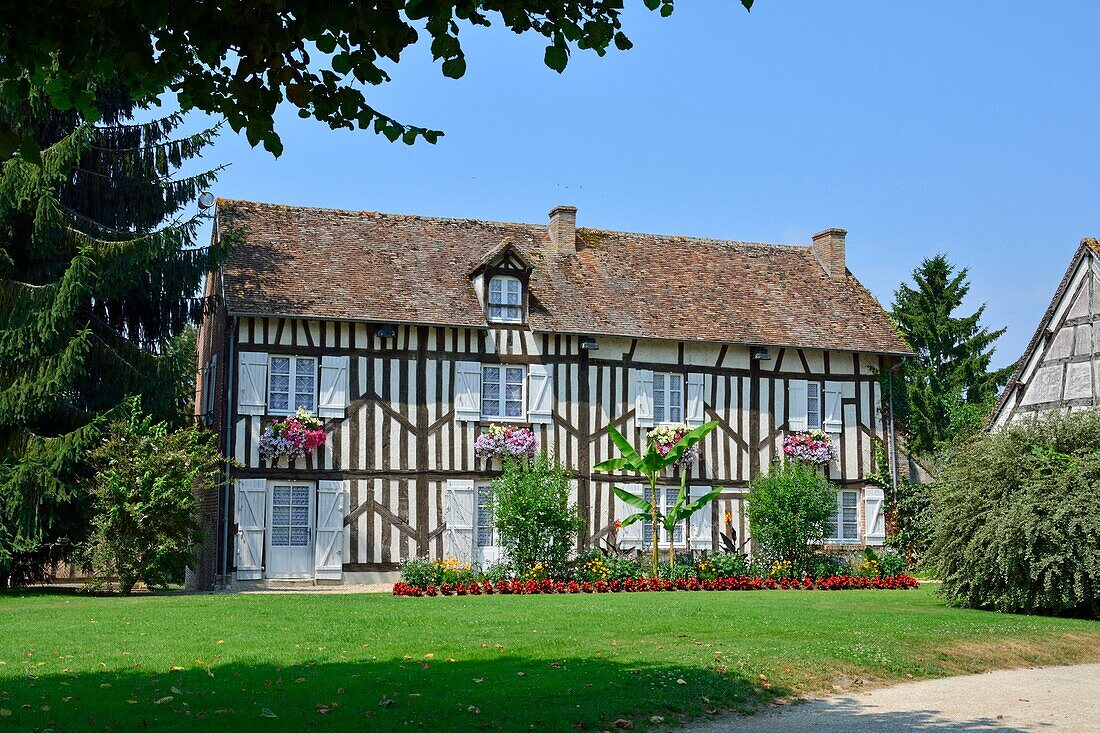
(355, 265)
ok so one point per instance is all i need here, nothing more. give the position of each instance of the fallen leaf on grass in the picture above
(681, 681)
(176, 668)
(474, 709)
(323, 709)
(521, 674)
(624, 724)
(656, 719)
(385, 702)
(266, 712)
(429, 655)
(166, 698)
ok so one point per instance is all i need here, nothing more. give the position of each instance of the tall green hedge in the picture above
(1016, 518)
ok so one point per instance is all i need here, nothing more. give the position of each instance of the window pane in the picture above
(300, 516)
(303, 400)
(490, 374)
(299, 536)
(494, 290)
(491, 391)
(484, 526)
(301, 496)
(280, 515)
(675, 413)
(512, 313)
(490, 408)
(280, 536)
(280, 365)
(281, 494)
(512, 296)
(515, 375)
(514, 392)
(513, 409)
(279, 402)
(280, 382)
(496, 312)
(304, 382)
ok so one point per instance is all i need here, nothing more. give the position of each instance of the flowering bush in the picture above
(502, 441)
(666, 436)
(811, 446)
(424, 573)
(296, 436)
(638, 585)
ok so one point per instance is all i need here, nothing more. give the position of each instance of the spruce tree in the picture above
(946, 389)
(99, 273)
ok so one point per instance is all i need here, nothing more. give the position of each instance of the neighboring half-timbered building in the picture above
(1060, 368)
(409, 335)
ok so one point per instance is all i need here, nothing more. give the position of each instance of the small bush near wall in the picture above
(1016, 518)
(531, 512)
(789, 507)
(145, 525)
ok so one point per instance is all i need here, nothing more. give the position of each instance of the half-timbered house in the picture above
(1060, 368)
(409, 335)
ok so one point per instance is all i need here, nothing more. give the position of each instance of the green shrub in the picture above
(145, 523)
(828, 564)
(722, 565)
(789, 508)
(531, 511)
(497, 572)
(1016, 518)
(621, 568)
(677, 571)
(420, 572)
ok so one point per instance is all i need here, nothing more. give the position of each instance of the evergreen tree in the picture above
(947, 388)
(99, 273)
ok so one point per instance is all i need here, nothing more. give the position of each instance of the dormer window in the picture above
(505, 299)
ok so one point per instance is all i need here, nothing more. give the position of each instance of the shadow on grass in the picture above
(498, 694)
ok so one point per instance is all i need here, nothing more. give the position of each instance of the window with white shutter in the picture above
(467, 391)
(292, 384)
(701, 522)
(503, 389)
(629, 537)
(505, 299)
(668, 398)
(694, 416)
(332, 399)
(332, 507)
(250, 516)
(666, 499)
(833, 420)
(844, 523)
(643, 397)
(540, 395)
(874, 518)
(251, 383)
(813, 405)
(460, 519)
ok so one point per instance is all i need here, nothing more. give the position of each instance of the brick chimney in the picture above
(828, 248)
(563, 228)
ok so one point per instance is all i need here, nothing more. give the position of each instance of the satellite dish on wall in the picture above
(206, 200)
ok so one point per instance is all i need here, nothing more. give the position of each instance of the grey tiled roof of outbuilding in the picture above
(357, 265)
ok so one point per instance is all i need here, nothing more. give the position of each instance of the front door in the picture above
(290, 530)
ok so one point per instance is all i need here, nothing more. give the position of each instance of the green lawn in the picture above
(363, 662)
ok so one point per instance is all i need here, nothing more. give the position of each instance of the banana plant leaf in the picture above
(682, 510)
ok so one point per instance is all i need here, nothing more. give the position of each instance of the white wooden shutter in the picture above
(643, 398)
(332, 398)
(250, 515)
(252, 383)
(796, 404)
(540, 399)
(874, 519)
(701, 522)
(694, 416)
(832, 416)
(631, 536)
(459, 513)
(332, 507)
(467, 391)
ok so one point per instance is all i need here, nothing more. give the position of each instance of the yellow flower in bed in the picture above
(781, 569)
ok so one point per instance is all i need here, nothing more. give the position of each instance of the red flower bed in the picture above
(741, 582)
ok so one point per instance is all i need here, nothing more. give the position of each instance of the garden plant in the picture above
(664, 450)
(789, 507)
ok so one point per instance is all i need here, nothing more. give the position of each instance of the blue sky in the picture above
(964, 128)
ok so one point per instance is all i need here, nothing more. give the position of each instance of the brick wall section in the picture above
(211, 341)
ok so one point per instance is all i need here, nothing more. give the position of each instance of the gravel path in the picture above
(1048, 699)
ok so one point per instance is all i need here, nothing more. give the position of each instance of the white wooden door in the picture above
(290, 530)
